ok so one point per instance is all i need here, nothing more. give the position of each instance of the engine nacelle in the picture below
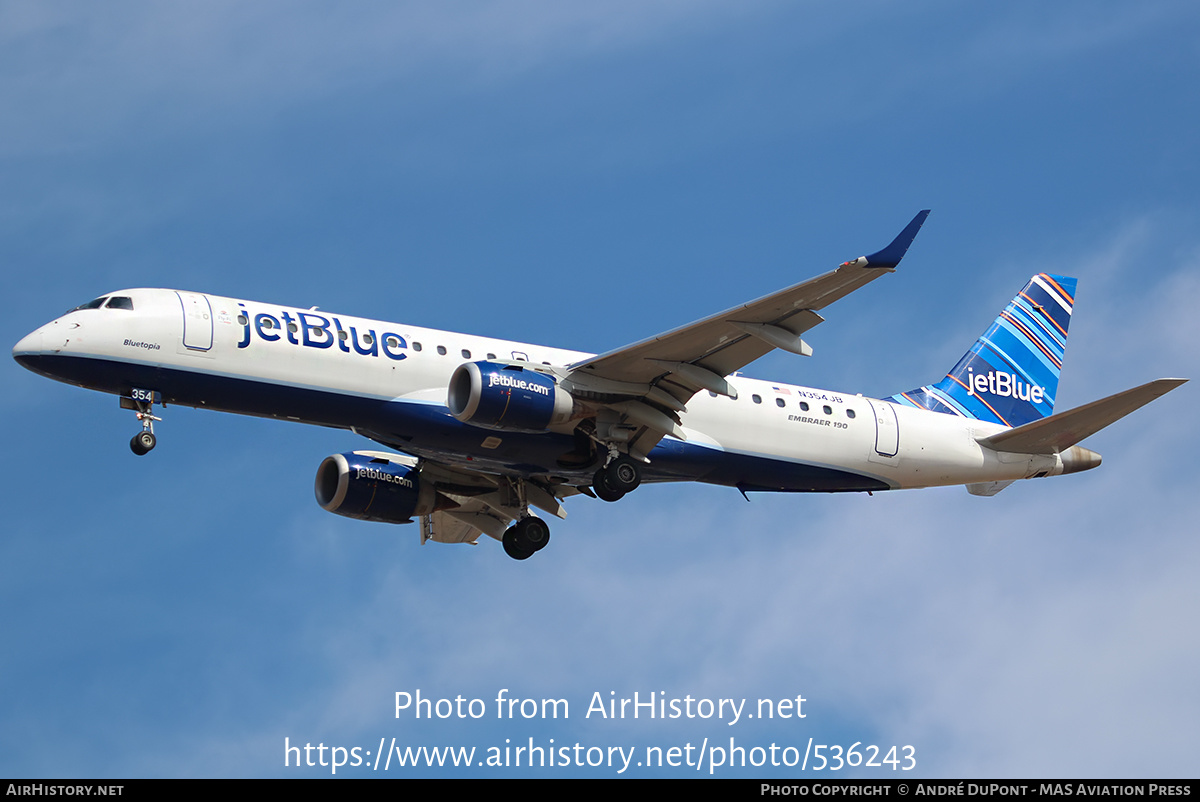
(508, 396)
(374, 486)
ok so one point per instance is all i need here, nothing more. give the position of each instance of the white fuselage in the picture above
(389, 381)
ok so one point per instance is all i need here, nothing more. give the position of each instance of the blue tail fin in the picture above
(1010, 375)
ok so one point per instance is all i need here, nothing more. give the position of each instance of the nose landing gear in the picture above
(142, 403)
(142, 442)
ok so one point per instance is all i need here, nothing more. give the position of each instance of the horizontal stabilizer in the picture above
(1059, 432)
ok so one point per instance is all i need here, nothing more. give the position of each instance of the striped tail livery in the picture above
(1010, 375)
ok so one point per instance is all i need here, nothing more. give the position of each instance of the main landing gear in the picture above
(529, 534)
(620, 476)
(525, 537)
(144, 441)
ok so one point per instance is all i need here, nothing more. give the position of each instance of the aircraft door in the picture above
(197, 321)
(887, 430)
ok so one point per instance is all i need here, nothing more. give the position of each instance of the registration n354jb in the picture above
(487, 429)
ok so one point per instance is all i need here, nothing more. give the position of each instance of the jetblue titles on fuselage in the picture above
(317, 331)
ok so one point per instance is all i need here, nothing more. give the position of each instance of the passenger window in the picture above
(442, 350)
(804, 406)
(416, 346)
(491, 356)
(756, 398)
(466, 354)
(827, 409)
(850, 413)
(779, 402)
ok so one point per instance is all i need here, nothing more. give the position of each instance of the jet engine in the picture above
(374, 486)
(508, 396)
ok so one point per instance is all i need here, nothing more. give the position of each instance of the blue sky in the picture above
(586, 176)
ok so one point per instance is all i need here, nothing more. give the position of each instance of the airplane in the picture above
(480, 430)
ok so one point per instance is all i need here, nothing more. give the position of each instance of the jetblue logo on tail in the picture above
(1010, 375)
(1004, 385)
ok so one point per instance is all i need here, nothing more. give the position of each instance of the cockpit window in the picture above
(119, 302)
(96, 304)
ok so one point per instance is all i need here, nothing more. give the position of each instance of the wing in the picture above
(466, 504)
(648, 383)
(478, 503)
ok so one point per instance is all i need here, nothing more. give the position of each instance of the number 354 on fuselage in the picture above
(481, 430)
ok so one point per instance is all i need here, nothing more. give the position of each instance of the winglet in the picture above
(891, 255)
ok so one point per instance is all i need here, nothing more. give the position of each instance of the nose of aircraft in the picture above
(29, 345)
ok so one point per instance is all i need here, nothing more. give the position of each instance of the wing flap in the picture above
(463, 524)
